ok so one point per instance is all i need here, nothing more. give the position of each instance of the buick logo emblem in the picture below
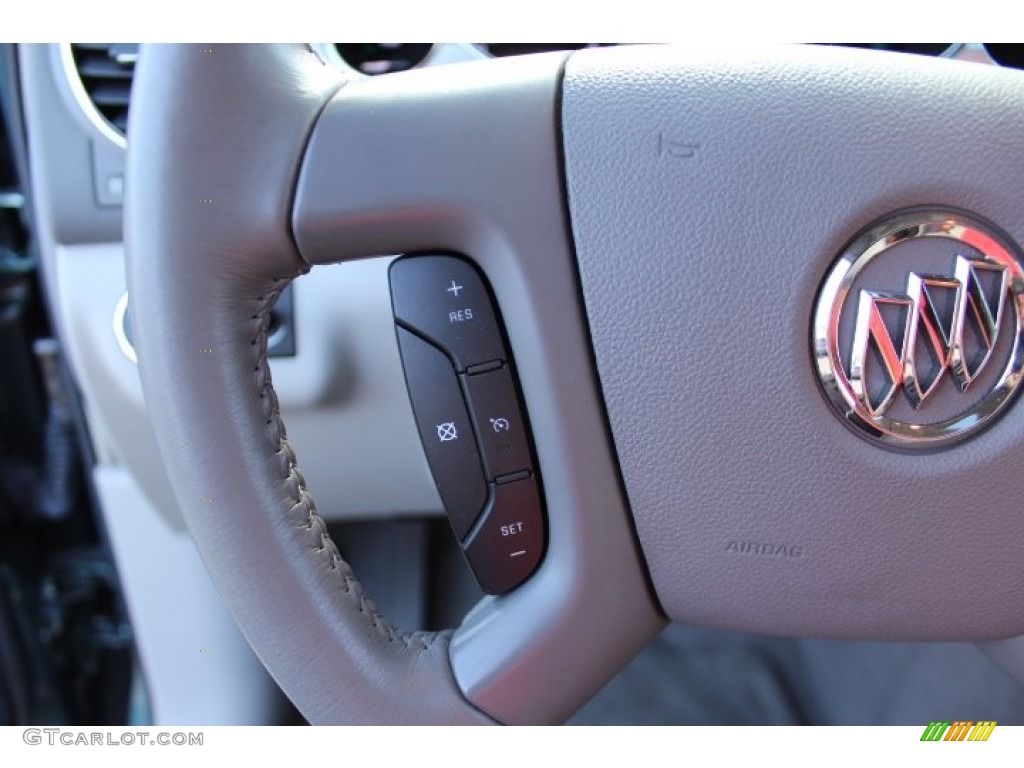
(918, 328)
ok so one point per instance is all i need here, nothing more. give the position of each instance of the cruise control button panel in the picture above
(473, 428)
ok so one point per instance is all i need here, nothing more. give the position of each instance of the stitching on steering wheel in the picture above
(304, 500)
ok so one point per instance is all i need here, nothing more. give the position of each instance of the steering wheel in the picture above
(677, 243)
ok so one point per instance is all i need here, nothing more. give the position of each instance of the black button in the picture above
(444, 300)
(507, 546)
(499, 422)
(445, 430)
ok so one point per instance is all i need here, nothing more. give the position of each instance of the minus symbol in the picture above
(517, 554)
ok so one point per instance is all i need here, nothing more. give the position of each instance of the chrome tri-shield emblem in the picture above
(918, 328)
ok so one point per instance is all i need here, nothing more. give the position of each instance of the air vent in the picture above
(381, 58)
(106, 71)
